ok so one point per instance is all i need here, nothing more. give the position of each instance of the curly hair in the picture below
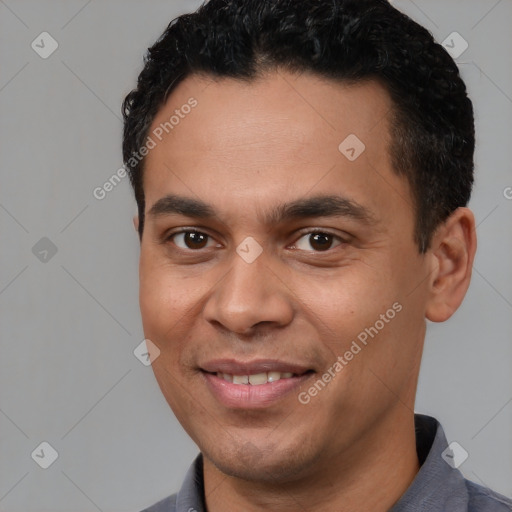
(351, 41)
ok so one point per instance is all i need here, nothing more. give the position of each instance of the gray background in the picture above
(70, 323)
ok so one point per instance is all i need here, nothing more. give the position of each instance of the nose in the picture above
(250, 296)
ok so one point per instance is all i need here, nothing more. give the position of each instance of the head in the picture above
(255, 123)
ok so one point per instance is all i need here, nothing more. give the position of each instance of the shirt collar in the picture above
(437, 486)
(190, 498)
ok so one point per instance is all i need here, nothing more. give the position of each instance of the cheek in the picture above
(163, 299)
(361, 315)
(347, 301)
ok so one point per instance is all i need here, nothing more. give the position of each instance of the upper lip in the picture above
(235, 367)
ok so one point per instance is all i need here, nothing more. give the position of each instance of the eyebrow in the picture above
(316, 206)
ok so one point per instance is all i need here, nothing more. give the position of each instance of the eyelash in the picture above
(342, 241)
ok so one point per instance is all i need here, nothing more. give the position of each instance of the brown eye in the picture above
(190, 239)
(316, 241)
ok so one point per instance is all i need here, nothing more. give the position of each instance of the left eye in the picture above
(317, 241)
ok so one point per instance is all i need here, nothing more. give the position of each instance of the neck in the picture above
(371, 475)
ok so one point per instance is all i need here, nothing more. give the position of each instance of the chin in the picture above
(270, 463)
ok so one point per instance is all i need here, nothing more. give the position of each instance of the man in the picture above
(302, 170)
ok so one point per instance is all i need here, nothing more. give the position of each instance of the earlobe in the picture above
(136, 223)
(453, 250)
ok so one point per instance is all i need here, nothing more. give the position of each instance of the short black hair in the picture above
(351, 41)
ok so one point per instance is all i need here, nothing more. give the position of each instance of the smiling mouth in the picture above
(257, 379)
(255, 385)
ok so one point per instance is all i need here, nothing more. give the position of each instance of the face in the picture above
(274, 253)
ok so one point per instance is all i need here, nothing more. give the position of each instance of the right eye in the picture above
(190, 239)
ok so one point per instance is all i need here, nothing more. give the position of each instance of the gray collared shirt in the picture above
(437, 487)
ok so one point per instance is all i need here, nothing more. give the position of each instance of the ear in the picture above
(453, 251)
(136, 223)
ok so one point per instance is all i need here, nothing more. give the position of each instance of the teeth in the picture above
(256, 379)
(273, 376)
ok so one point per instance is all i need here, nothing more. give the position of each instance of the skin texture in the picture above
(246, 148)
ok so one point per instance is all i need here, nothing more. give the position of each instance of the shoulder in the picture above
(166, 505)
(482, 499)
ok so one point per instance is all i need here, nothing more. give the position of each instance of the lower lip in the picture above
(247, 396)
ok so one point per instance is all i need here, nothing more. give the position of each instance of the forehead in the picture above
(280, 135)
(278, 107)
